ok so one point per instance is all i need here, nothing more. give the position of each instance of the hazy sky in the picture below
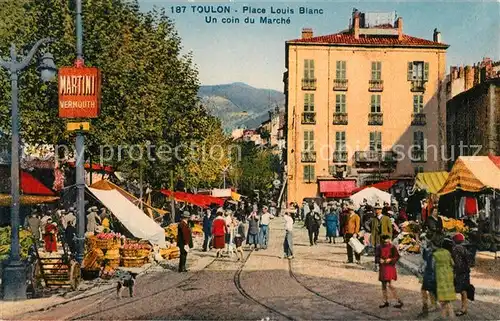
(254, 53)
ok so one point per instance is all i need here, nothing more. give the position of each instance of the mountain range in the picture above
(239, 105)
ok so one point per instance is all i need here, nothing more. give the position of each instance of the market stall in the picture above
(132, 217)
(154, 213)
(475, 183)
(200, 200)
(372, 195)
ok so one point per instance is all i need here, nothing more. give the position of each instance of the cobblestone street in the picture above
(316, 285)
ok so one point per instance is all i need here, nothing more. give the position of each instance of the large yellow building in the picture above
(363, 105)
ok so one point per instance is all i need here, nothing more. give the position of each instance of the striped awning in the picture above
(431, 182)
(472, 174)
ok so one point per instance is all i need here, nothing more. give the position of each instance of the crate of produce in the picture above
(134, 261)
(112, 263)
(127, 252)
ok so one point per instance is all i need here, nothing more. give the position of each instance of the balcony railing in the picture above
(340, 118)
(309, 157)
(308, 84)
(417, 86)
(418, 156)
(340, 84)
(375, 156)
(340, 156)
(376, 119)
(375, 85)
(309, 117)
(418, 119)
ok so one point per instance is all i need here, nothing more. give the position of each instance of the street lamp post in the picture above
(14, 274)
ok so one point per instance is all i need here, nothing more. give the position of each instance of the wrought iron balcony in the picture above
(309, 117)
(340, 84)
(309, 157)
(376, 119)
(418, 119)
(340, 118)
(308, 84)
(418, 156)
(375, 156)
(375, 85)
(418, 86)
(340, 156)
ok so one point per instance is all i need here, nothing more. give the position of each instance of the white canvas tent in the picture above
(132, 217)
(372, 195)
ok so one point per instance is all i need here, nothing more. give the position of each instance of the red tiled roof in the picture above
(382, 40)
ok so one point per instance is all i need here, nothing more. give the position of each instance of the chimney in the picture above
(461, 72)
(355, 24)
(307, 33)
(399, 23)
(468, 77)
(436, 37)
(453, 72)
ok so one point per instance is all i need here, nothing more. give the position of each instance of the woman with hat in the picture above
(461, 270)
(331, 222)
(50, 237)
(429, 276)
(444, 277)
(219, 232)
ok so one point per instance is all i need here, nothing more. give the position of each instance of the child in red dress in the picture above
(386, 255)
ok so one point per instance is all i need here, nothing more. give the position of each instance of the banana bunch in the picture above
(171, 232)
(453, 225)
(25, 240)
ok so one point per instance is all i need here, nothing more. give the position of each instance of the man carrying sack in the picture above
(352, 230)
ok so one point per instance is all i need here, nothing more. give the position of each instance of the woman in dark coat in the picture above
(461, 270)
(386, 255)
(429, 279)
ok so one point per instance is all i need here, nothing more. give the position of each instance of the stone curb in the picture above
(413, 268)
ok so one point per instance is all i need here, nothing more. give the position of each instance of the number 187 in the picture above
(178, 9)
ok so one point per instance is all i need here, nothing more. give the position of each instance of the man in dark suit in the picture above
(184, 240)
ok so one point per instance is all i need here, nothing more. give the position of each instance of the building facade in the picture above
(356, 102)
(473, 110)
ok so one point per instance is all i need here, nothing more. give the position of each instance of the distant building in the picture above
(354, 96)
(473, 110)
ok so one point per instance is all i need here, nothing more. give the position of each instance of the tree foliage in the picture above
(255, 169)
(149, 88)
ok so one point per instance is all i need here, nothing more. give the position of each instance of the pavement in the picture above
(315, 285)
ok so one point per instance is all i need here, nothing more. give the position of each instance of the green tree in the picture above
(149, 88)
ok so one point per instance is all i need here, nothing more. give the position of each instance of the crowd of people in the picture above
(50, 226)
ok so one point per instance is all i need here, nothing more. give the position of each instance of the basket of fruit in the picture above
(133, 248)
(134, 261)
(108, 241)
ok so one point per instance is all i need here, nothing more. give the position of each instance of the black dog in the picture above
(126, 280)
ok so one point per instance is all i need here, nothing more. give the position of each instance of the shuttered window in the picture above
(375, 141)
(308, 102)
(340, 142)
(376, 70)
(375, 104)
(418, 104)
(308, 140)
(309, 175)
(308, 69)
(340, 103)
(340, 71)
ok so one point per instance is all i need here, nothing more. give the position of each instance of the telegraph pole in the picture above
(80, 145)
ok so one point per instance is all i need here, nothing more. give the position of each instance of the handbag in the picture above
(471, 292)
(356, 245)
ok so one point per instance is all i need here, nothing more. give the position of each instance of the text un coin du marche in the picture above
(226, 14)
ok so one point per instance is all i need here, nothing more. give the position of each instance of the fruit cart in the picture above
(58, 270)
